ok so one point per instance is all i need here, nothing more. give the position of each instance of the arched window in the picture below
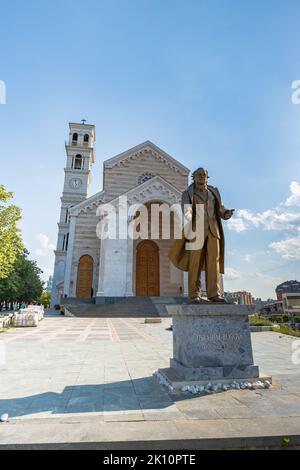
(78, 162)
(75, 138)
(86, 138)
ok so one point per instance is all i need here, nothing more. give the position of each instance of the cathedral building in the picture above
(89, 267)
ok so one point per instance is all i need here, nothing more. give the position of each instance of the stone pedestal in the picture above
(211, 344)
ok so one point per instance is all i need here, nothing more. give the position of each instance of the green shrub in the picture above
(259, 320)
(45, 299)
(57, 307)
(279, 319)
(296, 319)
(286, 441)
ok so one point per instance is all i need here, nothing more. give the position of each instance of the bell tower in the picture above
(80, 158)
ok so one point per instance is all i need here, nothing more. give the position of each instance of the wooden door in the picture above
(85, 277)
(147, 269)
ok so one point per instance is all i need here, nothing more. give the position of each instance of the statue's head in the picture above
(200, 176)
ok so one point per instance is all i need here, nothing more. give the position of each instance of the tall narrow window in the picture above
(75, 138)
(63, 243)
(78, 162)
(67, 213)
(67, 242)
(86, 138)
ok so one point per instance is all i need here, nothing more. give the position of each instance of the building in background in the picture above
(291, 304)
(49, 284)
(260, 304)
(287, 287)
(271, 310)
(239, 297)
(288, 306)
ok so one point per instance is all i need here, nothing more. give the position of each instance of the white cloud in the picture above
(46, 273)
(272, 219)
(288, 248)
(45, 246)
(248, 258)
(266, 279)
(237, 225)
(294, 198)
(248, 216)
(231, 274)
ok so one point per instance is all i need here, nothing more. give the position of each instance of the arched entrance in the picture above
(147, 269)
(85, 277)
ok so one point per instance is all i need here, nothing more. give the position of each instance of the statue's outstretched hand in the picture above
(228, 214)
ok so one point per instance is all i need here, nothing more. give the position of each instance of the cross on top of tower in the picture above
(83, 121)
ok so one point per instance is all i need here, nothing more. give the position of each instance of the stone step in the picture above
(76, 301)
(126, 307)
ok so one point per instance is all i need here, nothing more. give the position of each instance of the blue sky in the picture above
(207, 81)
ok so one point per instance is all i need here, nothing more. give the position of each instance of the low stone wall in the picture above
(257, 329)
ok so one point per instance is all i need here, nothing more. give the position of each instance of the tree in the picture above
(9, 288)
(10, 236)
(45, 298)
(23, 284)
(30, 284)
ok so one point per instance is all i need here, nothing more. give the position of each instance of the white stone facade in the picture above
(143, 174)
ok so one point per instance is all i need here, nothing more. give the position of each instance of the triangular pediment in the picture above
(156, 188)
(146, 148)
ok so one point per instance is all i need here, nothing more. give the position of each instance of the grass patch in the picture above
(286, 330)
(259, 320)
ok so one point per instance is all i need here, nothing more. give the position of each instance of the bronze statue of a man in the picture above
(209, 255)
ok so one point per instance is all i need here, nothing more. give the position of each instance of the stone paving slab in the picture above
(79, 390)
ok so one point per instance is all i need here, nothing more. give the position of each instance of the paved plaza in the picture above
(89, 380)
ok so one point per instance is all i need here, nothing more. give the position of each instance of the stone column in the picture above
(100, 291)
(129, 267)
(113, 268)
(113, 262)
(70, 255)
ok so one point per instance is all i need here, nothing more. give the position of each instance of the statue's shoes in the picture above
(218, 300)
